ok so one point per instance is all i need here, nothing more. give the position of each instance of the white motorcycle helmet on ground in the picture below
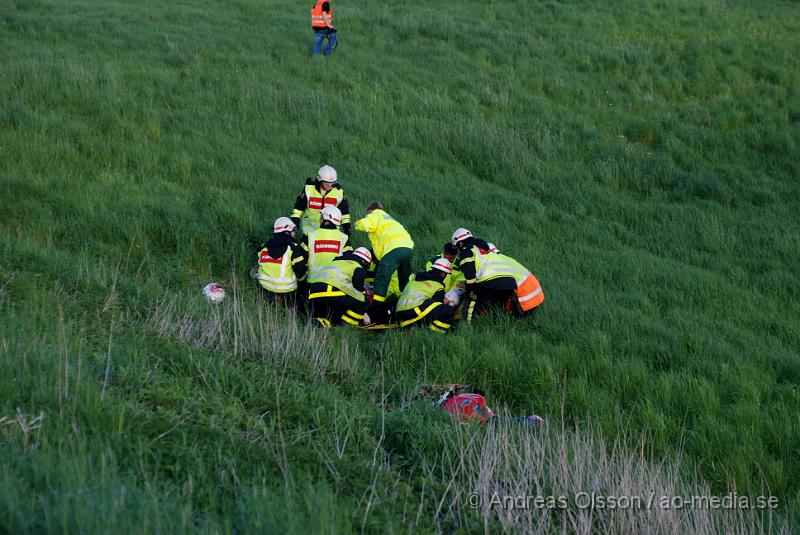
(214, 293)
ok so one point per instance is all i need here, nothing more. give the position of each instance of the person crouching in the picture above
(336, 290)
(422, 299)
(282, 265)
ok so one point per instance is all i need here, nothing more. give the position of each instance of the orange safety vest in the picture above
(317, 18)
(529, 293)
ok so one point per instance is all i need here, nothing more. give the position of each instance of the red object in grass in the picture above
(468, 407)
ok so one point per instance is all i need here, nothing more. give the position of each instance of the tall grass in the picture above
(639, 157)
(250, 441)
(585, 484)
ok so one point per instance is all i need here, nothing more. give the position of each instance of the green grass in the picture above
(640, 157)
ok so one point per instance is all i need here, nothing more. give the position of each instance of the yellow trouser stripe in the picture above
(438, 330)
(420, 314)
(330, 292)
(441, 324)
(324, 322)
(470, 310)
(354, 315)
(351, 321)
(380, 326)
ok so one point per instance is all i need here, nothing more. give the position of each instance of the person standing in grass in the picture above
(392, 248)
(318, 193)
(322, 24)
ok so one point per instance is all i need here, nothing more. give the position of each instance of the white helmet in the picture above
(443, 265)
(326, 173)
(364, 254)
(460, 235)
(283, 224)
(493, 248)
(332, 214)
(214, 293)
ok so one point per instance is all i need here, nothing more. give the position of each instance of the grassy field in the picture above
(640, 157)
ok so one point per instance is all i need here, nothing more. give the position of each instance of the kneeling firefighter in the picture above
(336, 290)
(529, 293)
(422, 299)
(282, 265)
(493, 278)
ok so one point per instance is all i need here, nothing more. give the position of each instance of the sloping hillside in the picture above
(640, 157)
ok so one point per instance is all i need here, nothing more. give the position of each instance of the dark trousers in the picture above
(295, 300)
(395, 260)
(486, 294)
(381, 313)
(435, 313)
(334, 309)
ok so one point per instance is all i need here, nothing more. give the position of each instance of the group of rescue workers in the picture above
(375, 289)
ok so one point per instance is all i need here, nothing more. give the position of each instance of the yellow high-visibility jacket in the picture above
(453, 278)
(384, 232)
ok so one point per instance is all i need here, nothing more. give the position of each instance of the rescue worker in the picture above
(322, 24)
(422, 299)
(450, 252)
(327, 242)
(492, 277)
(336, 290)
(318, 193)
(380, 317)
(392, 247)
(529, 293)
(486, 283)
(282, 264)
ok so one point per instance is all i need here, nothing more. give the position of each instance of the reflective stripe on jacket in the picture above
(316, 201)
(318, 16)
(451, 280)
(529, 291)
(385, 233)
(490, 266)
(416, 292)
(276, 274)
(324, 244)
(338, 274)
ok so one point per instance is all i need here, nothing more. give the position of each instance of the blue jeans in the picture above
(319, 37)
